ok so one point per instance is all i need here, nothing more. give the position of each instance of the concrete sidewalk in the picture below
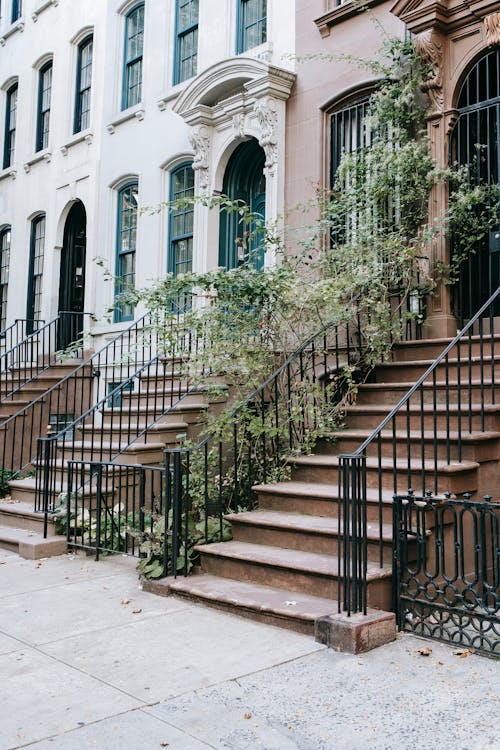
(88, 660)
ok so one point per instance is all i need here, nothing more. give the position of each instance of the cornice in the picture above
(443, 15)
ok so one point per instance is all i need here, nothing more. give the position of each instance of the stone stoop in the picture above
(282, 567)
(21, 531)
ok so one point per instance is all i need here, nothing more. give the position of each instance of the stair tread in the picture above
(300, 522)
(18, 507)
(306, 562)
(474, 436)
(310, 489)
(14, 535)
(407, 384)
(326, 460)
(475, 359)
(256, 597)
(416, 407)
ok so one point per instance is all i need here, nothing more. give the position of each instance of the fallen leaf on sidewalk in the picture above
(463, 654)
(425, 651)
(164, 744)
(136, 611)
(248, 716)
(125, 601)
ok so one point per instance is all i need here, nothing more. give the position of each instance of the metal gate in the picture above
(446, 573)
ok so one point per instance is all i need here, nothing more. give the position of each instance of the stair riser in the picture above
(379, 592)
(367, 421)
(133, 419)
(392, 395)
(170, 438)
(302, 541)
(432, 350)
(455, 482)
(158, 400)
(410, 373)
(18, 521)
(484, 450)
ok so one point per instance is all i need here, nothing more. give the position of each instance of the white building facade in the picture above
(111, 107)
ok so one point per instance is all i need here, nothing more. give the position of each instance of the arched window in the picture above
(10, 126)
(83, 85)
(180, 256)
(4, 273)
(475, 142)
(349, 132)
(126, 243)
(134, 48)
(35, 271)
(252, 24)
(186, 40)
(244, 180)
(43, 113)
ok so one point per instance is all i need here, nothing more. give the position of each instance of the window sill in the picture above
(342, 13)
(16, 26)
(8, 172)
(137, 112)
(262, 52)
(86, 136)
(44, 155)
(43, 6)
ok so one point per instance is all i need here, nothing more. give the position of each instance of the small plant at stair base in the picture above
(6, 475)
(156, 544)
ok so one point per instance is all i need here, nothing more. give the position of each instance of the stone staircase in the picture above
(118, 427)
(281, 565)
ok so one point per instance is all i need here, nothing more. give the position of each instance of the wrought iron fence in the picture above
(37, 351)
(446, 572)
(18, 330)
(436, 424)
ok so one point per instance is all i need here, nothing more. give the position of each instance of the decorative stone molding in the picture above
(492, 28)
(18, 26)
(45, 156)
(265, 110)
(8, 172)
(199, 139)
(87, 136)
(429, 48)
(238, 125)
(136, 112)
(43, 6)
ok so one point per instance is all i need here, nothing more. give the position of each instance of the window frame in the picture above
(180, 36)
(35, 280)
(16, 10)
(9, 131)
(173, 238)
(4, 272)
(130, 62)
(42, 142)
(242, 29)
(80, 92)
(119, 315)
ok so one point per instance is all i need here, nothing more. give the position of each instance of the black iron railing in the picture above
(17, 331)
(109, 508)
(446, 572)
(75, 393)
(138, 396)
(434, 426)
(34, 354)
(300, 399)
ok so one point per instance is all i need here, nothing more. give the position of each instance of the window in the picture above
(83, 85)
(44, 94)
(4, 274)
(17, 9)
(252, 24)
(181, 221)
(134, 46)
(10, 126)
(186, 41)
(37, 250)
(126, 241)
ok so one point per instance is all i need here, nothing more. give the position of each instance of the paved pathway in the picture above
(89, 661)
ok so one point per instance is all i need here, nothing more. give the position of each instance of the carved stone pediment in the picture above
(429, 48)
(445, 15)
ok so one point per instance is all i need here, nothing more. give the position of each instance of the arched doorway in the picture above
(72, 276)
(243, 180)
(475, 142)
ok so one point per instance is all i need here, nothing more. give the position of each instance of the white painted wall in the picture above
(145, 141)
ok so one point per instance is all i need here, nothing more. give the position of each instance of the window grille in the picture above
(83, 85)
(252, 24)
(134, 48)
(186, 42)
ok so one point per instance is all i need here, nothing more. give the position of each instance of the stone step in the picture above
(379, 393)
(431, 348)
(296, 531)
(292, 570)
(455, 477)
(370, 416)
(20, 515)
(272, 605)
(29, 544)
(475, 446)
(412, 370)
